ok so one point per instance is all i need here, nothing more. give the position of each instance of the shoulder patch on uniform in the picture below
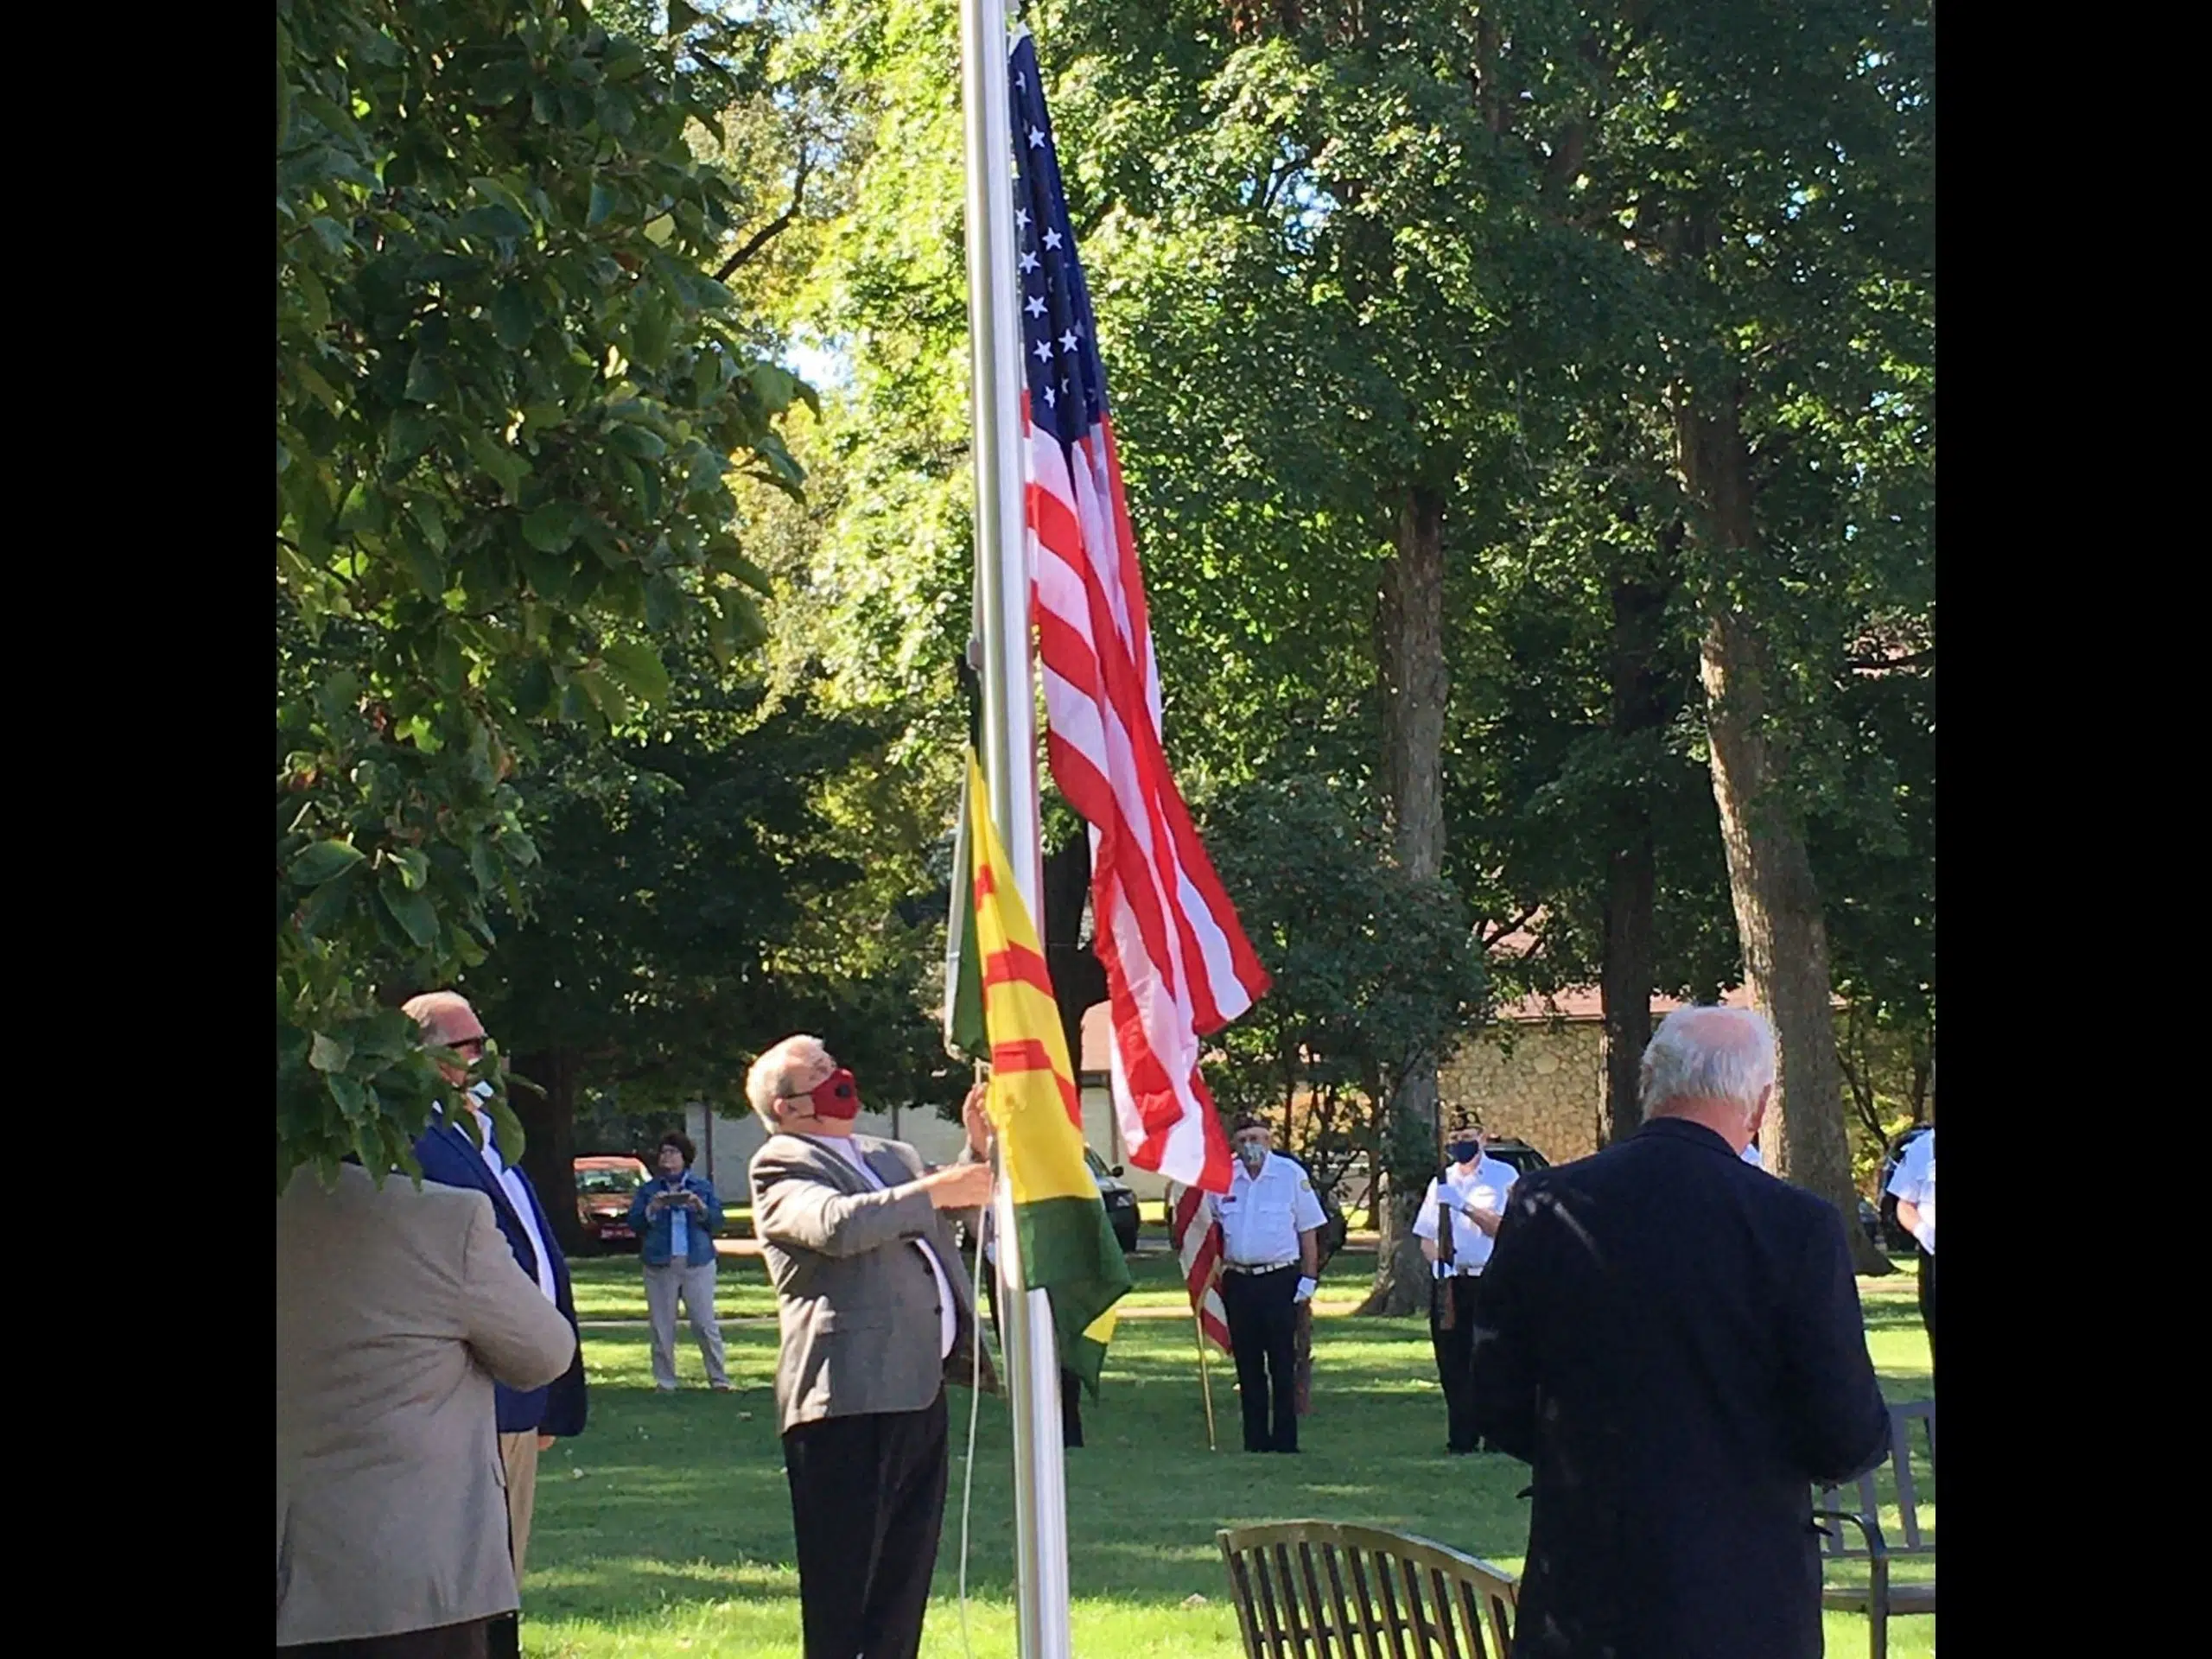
(1305, 1186)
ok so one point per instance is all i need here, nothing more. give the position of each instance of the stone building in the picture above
(1538, 1074)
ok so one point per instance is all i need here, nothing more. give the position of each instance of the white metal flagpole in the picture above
(1010, 769)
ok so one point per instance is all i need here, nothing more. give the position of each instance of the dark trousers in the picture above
(1071, 1384)
(1455, 1354)
(1928, 1311)
(1262, 1334)
(445, 1642)
(867, 1498)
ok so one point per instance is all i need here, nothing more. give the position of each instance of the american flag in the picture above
(1197, 1235)
(1177, 964)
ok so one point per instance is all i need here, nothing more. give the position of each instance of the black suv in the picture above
(1121, 1202)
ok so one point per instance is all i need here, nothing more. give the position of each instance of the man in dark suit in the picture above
(529, 1422)
(1673, 1339)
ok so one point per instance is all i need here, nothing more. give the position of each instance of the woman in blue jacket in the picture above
(675, 1218)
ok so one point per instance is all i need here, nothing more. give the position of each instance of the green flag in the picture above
(964, 1036)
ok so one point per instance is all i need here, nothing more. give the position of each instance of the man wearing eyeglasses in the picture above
(876, 1316)
(530, 1421)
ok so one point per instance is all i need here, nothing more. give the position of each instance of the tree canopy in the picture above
(509, 401)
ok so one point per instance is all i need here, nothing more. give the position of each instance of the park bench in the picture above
(1857, 1535)
(1307, 1589)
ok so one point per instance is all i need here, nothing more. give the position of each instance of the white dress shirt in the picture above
(1261, 1219)
(1482, 1186)
(1914, 1183)
(519, 1195)
(1751, 1155)
(947, 1321)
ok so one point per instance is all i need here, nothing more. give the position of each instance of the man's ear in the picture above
(1759, 1112)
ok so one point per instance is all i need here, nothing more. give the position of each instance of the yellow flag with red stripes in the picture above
(1067, 1244)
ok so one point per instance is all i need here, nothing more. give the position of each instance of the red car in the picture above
(603, 1189)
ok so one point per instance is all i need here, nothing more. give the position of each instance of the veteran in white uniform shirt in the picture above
(1471, 1192)
(1913, 1186)
(1270, 1226)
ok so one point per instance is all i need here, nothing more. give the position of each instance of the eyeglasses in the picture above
(469, 1048)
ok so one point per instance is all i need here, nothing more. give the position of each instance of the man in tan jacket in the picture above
(397, 1307)
(876, 1315)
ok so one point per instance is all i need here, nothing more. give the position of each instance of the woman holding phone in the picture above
(675, 1218)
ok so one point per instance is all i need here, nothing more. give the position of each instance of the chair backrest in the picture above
(1913, 1536)
(1315, 1590)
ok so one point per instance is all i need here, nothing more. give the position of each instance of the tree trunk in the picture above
(549, 1122)
(1416, 684)
(1079, 977)
(1639, 710)
(1770, 876)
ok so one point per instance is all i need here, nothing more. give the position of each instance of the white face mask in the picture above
(1254, 1154)
(481, 1091)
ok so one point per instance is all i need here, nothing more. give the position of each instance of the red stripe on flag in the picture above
(1029, 1054)
(1016, 964)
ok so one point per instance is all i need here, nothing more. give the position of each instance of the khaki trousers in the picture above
(519, 1453)
(664, 1285)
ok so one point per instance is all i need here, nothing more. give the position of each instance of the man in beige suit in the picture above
(876, 1315)
(397, 1307)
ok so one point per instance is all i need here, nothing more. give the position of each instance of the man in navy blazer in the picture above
(529, 1422)
(1673, 1339)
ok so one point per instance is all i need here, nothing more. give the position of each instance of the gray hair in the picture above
(1708, 1054)
(785, 1071)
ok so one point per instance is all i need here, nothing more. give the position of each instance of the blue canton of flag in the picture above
(1067, 385)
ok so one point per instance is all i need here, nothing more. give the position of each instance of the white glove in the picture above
(1305, 1291)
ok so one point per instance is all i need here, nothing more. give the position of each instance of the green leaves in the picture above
(514, 318)
(411, 909)
(551, 526)
(502, 463)
(637, 669)
(505, 410)
(323, 862)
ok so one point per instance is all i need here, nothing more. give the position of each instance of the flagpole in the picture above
(1009, 761)
(1205, 1377)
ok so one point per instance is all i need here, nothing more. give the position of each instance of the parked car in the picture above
(1524, 1158)
(604, 1187)
(1893, 1237)
(1121, 1202)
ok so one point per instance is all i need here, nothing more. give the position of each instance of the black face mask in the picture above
(1460, 1152)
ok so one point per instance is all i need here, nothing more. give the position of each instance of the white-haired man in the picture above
(1673, 1339)
(876, 1316)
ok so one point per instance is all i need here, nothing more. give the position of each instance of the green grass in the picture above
(666, 1530)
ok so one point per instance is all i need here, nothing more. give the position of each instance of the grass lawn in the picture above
(665, 1528)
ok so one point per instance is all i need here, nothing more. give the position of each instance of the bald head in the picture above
(786, 1072)
(1714, 1066)
(446, 1020)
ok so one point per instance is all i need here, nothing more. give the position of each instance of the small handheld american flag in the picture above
(1197, 1237)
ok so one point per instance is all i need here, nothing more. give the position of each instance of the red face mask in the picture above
(836, 1095)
